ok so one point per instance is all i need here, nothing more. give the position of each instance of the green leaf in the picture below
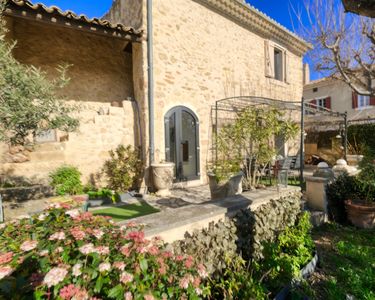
(99, 284)
(144, 265)
(116, 292)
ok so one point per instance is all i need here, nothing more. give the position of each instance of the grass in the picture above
(347, 263)
(125, 212)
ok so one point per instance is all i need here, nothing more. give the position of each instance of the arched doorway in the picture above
(182, 142)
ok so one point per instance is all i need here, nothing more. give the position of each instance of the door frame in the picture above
(177, 110)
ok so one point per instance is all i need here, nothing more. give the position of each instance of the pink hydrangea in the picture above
(198, 291)
(136, 236)
(43, 253)
(153, 250)
(81, 295)
(98, 233)
(28, 245)
(202, 271)
(73, 213)
(119, 265)
(102, 250)
(5, 271)
(128, 296)
(104, 267)
(59, 249)
(77, 233)
(149, 297)
(189, 262)
(68, 291)
(76, 270)
(126, 250)
(55, 276)
(6, 258)
(57, 236)
(185, 281)
(87, 249)
(126, 277)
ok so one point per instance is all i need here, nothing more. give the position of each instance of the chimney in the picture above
(306, 74)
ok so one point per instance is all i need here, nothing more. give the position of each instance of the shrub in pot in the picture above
(361, 205)
(123, 170)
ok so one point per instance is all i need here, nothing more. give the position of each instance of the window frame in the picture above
(363, 99)
(281, 54)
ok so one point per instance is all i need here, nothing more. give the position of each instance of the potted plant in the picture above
(162, 177)
(360, 206)
(101, 196)
(225, 179)
(123, 171)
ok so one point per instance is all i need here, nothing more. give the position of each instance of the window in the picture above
(321, 103)
(315, 90)
(278, 61)
(363, 101)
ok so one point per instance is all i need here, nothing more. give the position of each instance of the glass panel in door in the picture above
(188, 147)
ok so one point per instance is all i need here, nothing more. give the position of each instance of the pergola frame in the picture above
(237, 104)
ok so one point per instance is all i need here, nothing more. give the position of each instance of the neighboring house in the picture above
(323, 139)
(204, 50)
(338, 96)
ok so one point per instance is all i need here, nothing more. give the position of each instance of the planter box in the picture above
(231, 187)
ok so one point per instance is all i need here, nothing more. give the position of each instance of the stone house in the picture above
(203, 51)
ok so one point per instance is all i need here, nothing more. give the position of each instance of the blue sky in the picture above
(278, 10)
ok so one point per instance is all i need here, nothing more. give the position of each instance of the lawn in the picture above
(125, 212)
(347, 263)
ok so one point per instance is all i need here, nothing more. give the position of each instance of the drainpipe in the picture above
(150, 60)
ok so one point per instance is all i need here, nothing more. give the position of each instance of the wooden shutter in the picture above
(269, 59)
(328, 103)
(286, 67)
(372, 100)
(354, 100)
(313, 102)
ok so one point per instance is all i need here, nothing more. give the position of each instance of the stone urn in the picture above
(231, 187)
(360, 214)
(342, 167)
(162, 176)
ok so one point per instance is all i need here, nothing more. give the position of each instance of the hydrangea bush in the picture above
(65, 254)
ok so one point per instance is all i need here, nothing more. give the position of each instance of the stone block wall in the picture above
(243, 234)
(103, 127)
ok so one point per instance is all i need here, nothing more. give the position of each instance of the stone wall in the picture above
(101, 80)
(103, 127)
(243, 234)
(100, 69)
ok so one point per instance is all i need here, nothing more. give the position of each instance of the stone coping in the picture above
(164, 221)
(317, 179)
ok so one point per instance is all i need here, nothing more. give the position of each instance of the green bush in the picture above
(123, 169)
(237, 282)
(67, 180)
(337, 193)
(285, 257)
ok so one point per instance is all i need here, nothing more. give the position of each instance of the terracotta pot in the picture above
(361, 215)
(162, 175)
(228, 188)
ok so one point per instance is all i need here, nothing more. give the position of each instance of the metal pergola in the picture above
(310, 115)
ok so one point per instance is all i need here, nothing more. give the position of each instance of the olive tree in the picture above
(28, 101)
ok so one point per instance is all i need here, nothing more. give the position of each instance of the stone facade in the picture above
(204, 51)
(201, 55)
(101, 76)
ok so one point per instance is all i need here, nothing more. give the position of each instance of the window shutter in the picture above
(354, 100)
(286, 67)
(313, 102)
(328, 103)
(372, 100)
(269, 59)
